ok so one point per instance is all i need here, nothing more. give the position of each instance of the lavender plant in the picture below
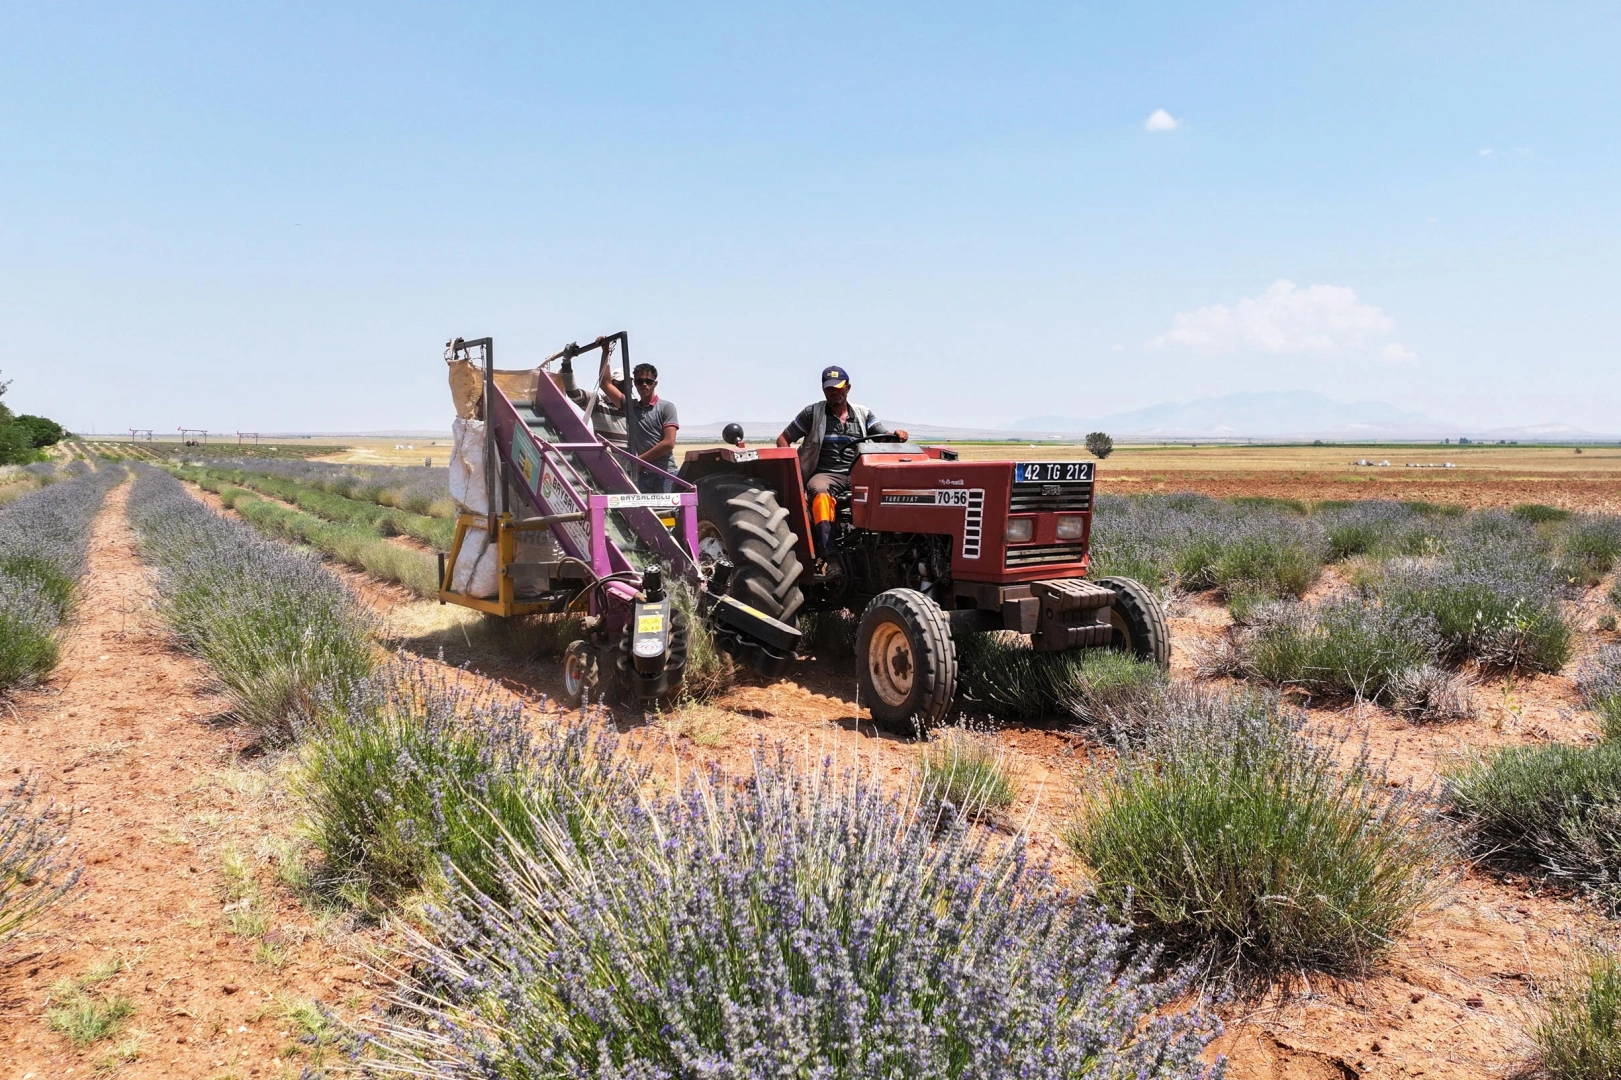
(1236, 841)
(1600, 686)
(1493, 598)
(801, 924)
(1578, 1035)
(965, 770)
(379, 519)
(416, 489)
(1592, 546)
(413, 777)
(1551, 810)
(1193, 542)
(44, 537)
(1350, 648)
(278, 629)
(1001, 672)
(34, 868)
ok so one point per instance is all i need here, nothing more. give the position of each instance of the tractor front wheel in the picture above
(740, 520)
(1139, 620)
(908, 662)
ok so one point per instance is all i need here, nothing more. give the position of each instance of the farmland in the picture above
(278, 750)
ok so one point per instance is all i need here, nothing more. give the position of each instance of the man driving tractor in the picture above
(831, 429)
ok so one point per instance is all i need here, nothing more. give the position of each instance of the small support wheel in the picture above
(907, 662)
(580, 671)
(1139, 620)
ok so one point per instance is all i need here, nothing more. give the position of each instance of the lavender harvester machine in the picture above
(572, 534)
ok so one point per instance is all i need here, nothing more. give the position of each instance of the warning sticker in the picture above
(649, 624)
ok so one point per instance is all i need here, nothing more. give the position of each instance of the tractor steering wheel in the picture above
(888, 436)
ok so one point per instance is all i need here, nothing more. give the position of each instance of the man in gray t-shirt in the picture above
(653, 423)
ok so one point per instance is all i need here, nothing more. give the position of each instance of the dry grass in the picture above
(703, 724)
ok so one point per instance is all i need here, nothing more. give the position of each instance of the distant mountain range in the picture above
(1284, 414)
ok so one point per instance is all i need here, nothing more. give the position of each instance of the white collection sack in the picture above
(478, 571)
(467, 467)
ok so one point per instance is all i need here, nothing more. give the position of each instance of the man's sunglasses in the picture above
(646, 382)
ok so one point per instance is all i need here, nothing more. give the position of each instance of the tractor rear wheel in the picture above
(907, 661)
(740, 519)
(1139, 620)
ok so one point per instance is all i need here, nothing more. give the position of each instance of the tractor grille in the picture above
(1044, 555)
(1070, 497)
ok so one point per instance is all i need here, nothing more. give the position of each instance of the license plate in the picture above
(1052, 472)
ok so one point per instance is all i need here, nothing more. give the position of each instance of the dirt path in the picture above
(125, 733)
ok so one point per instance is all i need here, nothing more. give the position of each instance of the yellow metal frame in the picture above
(506, 553)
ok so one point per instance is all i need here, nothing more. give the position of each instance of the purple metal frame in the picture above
(531, 471)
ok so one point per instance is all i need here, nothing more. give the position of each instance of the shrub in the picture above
(1343, 647)
(1600, 686)
(371, 515)
(1592, 546)
(1431, 693)
(1578, 1036)
(1231, 838)
(1275, 566)
(802, 923)
(966, 770)
(413, 776)
(43, 540)
(1001, 671)
(1099, 444)
(34, 871)
(1493, 602)
(1268, 502)
(1538, 514)
(28, 623)
(832, 633)
(1550, 810)
(1380, 528)
(708, 670)
(356, 545)
(278, 629)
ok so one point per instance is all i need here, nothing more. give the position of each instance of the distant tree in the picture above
(42, 432)
(22, 436)
(1099, 444)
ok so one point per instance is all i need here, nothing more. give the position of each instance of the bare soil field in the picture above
(127, 732)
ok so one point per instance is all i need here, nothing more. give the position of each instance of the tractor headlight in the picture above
(1020, 530)
(1071, 527)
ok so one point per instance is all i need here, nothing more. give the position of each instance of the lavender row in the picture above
(279, 630)
(44, 539)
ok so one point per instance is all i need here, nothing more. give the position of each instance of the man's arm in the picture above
(609, 388)
(663, 448)
(797, 428)
(876, 426)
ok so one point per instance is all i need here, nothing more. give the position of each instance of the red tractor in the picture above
(926, 547)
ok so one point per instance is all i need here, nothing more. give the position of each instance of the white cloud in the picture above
(1485, 151)
(1287, 319)
(1160, 120)
(1397, 353)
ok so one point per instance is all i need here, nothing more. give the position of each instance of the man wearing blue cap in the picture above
(830, 428)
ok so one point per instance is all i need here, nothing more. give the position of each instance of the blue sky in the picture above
(271, 217)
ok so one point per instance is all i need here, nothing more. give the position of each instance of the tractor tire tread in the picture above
(935, 658)
(755, 530)
(1142, 609)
